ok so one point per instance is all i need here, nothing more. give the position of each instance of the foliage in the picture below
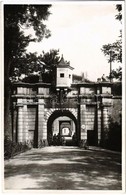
(25, 66)
(119, 9)
(112, 136)
(44, 64)
(42, 143)
(56, 140)
(50, 59)
(12, 148)
(113, 51)
(31, 79)
(117, 89)
(16, 19)
(117, 74)
(115, 136)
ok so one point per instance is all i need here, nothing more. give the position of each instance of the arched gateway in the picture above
(81, 108)
(62, 123)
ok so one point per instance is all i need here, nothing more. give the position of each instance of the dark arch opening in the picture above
(59, 113)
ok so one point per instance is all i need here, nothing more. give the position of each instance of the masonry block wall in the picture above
(83, 133)
(105, 118)
(89, 123)
(90, 117)
(87, 117)
(26, 123)
(92, 111)
(20, 124)
(31, 122)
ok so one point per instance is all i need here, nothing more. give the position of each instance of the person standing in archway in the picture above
(54, 140)
(74, 138)
(58, 139)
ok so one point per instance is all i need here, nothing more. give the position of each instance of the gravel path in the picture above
(64, 168)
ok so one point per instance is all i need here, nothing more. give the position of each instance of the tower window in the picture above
(61, 74)
(69, 75)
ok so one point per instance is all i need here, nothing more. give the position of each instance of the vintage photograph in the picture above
(63, 65)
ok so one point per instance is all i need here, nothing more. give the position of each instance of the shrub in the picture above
(12, 148)
(42, 143)
(115, 136)
(117, 89)
(112, 137)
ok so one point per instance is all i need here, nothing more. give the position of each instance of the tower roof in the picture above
(64, 64)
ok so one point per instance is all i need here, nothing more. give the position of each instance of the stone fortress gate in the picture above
(80, 109)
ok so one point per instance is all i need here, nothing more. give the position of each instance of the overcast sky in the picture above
(79, 30)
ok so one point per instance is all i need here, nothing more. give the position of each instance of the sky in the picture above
(79, 30)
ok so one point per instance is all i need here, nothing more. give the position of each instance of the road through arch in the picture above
(65, 119)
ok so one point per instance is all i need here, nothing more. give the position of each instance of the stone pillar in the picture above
(42, 127)
(83, 133)
(99, 126)
(25, 116)
(40, 119)
(72, 126)
(105, 118)
(44, 130)
(105, 126)
(20, 124)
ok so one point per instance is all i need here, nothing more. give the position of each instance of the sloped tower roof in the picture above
(64, 64)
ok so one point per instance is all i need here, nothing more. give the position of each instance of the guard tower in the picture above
(64, 74)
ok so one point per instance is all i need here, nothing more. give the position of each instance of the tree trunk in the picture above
(7, 102)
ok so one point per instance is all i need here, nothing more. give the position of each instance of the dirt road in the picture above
(64, 168)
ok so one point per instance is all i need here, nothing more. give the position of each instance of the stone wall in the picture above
(90, 118)
(26, 123)
(20, 124)
(31, 118)
(90, 105)
(87, 119)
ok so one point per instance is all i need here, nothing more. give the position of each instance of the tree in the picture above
(51, 59)
(16, 19)
(114, 50)
(117, 74)
(44, 64)
(119, 9)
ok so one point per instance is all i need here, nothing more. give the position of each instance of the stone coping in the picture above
(22, 84)
(93, 84)
(89, 96)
